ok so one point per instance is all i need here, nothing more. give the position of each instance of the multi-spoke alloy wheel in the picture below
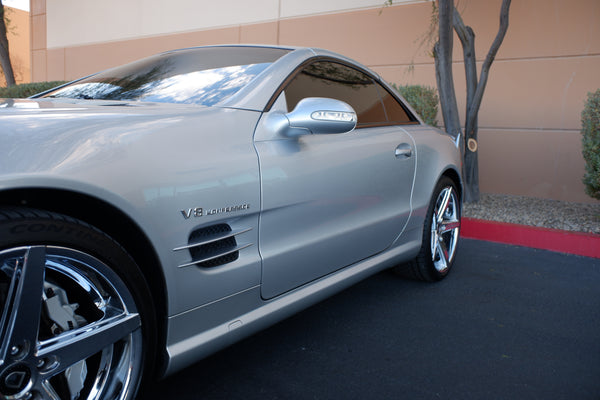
(440, 235)
(445, 229)
(70, 327)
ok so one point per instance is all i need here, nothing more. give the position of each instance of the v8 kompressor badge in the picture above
(201, 212)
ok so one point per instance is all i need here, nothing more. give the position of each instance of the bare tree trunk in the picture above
(4, 53)
(449, 20)
(470, 154)
(475, 92)
(443, 68)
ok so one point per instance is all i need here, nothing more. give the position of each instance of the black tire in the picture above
(86, 324)
(441, 234)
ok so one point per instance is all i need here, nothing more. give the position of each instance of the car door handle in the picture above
(403, 151)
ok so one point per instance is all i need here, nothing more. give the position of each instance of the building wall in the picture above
(530, 116)
(18, 45)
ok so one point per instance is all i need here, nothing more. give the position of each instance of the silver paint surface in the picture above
(323, 211)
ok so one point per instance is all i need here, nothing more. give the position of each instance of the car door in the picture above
(331, 200)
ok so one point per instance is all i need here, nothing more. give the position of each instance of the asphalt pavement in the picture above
(507, 323)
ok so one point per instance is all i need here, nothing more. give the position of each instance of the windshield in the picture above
(203, 76)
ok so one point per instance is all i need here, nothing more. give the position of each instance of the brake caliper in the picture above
(64, 318)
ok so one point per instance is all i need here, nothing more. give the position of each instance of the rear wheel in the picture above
(74, 311)
(440, 236)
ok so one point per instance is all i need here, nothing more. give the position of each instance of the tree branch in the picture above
(473, 109)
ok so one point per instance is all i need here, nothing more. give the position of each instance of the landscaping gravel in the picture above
(578, 217)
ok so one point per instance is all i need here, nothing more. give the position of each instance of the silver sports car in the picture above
(153, 213)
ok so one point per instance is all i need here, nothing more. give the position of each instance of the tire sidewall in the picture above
(443, 183)
(32, 227)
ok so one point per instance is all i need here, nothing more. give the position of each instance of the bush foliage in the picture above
(423, 99)
(27, 89)
(590, 123)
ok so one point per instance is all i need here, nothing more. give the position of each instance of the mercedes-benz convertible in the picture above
(154, 213)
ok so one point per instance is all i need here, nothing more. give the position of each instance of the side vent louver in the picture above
(213, 245)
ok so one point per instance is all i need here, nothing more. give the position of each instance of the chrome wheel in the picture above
(441, 232)
(69, 328)
(445, 229)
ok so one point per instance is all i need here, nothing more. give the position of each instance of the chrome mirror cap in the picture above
(317, 116)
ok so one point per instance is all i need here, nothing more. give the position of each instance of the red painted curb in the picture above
(583, 244)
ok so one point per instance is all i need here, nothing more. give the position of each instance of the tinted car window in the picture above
(337, 81)
(394, 110)
(193, 76)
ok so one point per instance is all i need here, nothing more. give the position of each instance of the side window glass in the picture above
(395, 112)
(336, 81)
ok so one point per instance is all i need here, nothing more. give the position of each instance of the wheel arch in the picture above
(454, 175)
(108, 219)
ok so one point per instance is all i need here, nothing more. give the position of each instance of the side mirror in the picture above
(317, 116)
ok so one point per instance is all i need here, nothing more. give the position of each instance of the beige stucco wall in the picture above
(18, 45)
(529, 120)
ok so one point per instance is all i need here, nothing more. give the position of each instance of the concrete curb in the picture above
(583, 244)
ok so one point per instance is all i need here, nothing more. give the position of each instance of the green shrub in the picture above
(423, 99)
(590, 123)
(27, 89)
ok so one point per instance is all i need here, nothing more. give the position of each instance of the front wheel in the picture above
(72, 311)
(440, 235)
